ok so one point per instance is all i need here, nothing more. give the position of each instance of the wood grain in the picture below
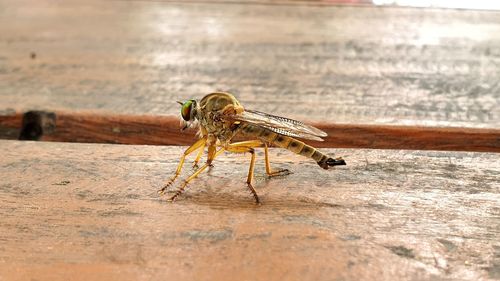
(165, 130)
(325, 63)
(85, 211)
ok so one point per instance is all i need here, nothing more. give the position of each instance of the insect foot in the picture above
(254, 193)
(166, 186)
(174, 197)
(179, 191)
(162, 190)
(281, 172)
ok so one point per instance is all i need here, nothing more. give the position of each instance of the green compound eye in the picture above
(186, 110)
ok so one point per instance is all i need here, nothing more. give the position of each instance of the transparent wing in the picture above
(278, 124)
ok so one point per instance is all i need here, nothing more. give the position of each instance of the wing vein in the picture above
(278, 124)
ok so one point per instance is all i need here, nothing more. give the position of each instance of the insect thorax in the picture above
(212, 107)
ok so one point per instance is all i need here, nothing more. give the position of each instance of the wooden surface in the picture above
(91, 211)
(94, 127)
(319, 63)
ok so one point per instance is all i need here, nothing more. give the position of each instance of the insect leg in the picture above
(199, 143)
(269, 171)
(198, 156)
(247, 146)
(258, 143)
(212, 153)
(250, 143)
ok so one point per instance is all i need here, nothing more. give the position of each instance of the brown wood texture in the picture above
(91, 212)
(165, 130)
(320, 63)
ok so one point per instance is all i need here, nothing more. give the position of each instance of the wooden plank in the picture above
(320, 63)
(165, 130)
(11, 123)
(91, 211)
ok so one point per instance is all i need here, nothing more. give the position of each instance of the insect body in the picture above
(220, 117)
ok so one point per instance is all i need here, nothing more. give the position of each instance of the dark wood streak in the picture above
(165, 130)
(410, 137)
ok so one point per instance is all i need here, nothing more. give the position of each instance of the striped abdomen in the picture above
(294, 145)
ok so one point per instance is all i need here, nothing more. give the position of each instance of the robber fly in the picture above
(220, 117)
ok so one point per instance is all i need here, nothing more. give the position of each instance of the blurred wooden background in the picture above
(373, 77)
(324, 64)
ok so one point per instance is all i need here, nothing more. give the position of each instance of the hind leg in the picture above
(242, 147)
(269, 171)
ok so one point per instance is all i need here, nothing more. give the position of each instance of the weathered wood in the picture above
(320, 63)
(165, 130)
(91, 211)
(11, 123)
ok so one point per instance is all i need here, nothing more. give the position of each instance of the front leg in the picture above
(212, 153)
(200, 143)
(198, 157)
